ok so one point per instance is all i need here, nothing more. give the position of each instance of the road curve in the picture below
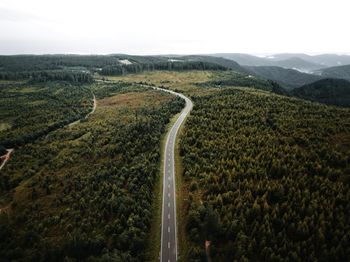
(168, 250)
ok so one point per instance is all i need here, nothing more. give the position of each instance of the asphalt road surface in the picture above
(168, 252)
(168, 249)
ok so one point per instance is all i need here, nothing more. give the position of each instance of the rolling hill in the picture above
(328, 91)
(301, 62)
(245, 59)
(288, 78)
(326, 60)
(230, 64)
(292, 62)
(335, 72)
(23, 66)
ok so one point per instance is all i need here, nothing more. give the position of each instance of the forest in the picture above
(328, 91)
(232, 78)
(84, 192)
(31, 110)
(265, 177)
(169, 66)
(268, 178)
(49, 75)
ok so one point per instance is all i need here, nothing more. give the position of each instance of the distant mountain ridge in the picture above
(230, 64)
(342, 72)
(300, 62)
(288, 78)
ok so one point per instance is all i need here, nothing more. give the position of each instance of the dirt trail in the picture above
(6, 157)
(207, 250)
(90, 113)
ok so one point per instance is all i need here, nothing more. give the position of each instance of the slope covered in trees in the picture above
(342, 72)
(328, 91)
(217, 60)
(288, 78)
(290, 60)
(169, 66)
(20, 63)
(48, 75)
(232, 78)
(268, 178)
(85, 192)
(31, 110)
(79, 68)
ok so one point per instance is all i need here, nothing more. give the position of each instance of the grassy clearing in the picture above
(185, 82)
(132, 100)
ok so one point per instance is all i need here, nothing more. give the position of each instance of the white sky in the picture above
(177, 26)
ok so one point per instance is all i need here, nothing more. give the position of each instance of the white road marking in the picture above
(169, 171)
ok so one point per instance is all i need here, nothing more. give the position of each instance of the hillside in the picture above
(264, 176)
(288, 78)
(298, 64)
(233, 65)
(87, 190)
(335, 72)
(328, 91)
(291, 62)
(260, 176)
(267, 178)
(81, 67)
(326, 60)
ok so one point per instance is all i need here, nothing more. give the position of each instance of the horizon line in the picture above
(258, 54)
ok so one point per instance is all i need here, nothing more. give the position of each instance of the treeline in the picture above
(44, 76)
(232, 79)
(268, 178)
(171, 66)
(20, 63)
(86, 192)
(33, 110)
(327, 91)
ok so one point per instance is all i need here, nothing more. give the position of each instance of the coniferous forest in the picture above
(174, 131)
(262, 173)
(268, 178)
(85, 191)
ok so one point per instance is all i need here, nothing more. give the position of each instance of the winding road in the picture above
(168, 251)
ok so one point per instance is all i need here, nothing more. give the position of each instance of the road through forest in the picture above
(168, 252)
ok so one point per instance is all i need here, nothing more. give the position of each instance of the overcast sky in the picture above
(177, 26)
